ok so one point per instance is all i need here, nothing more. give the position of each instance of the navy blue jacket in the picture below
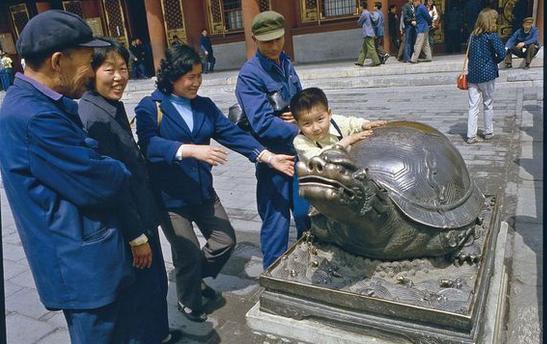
(259, 77)
(205, 44)
(188, 181)
(62, 195)
(378, 23)
(423, 19)
(485, 52)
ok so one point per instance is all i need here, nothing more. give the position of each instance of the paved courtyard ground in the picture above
(510, 164)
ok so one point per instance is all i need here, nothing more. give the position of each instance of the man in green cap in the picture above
(523, 43)
(270, 75)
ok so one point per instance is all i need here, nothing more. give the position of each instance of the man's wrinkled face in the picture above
(527, 26)
(271, 49)
(75, 71)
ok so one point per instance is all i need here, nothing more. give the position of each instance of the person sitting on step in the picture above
(523, 43)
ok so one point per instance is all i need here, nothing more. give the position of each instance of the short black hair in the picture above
(364, 4)
(378, 5)
(179, 60)
(392, 6)
(100, 54)
(306, 99)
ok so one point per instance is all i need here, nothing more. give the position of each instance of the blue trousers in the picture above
(410, 39)
(5, 78)
(138, 316)
(276, 196)
(139, 71)
(106, 325)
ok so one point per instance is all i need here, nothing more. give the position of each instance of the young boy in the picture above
(319, 129)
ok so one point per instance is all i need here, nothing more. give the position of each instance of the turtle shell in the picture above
(423, 172)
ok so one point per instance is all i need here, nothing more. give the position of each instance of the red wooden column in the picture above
(387, 37)
(249, 10)
(289, 10)
(539, 20)
(194, 21)
(156, 30)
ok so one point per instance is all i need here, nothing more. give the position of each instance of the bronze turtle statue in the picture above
(404, 192)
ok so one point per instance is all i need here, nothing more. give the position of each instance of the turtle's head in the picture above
(333, 183)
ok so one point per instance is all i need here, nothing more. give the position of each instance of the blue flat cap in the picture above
(55, 30)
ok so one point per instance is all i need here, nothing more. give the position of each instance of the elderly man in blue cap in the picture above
(63, 194)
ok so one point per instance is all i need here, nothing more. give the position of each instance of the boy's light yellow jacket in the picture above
(307, 148)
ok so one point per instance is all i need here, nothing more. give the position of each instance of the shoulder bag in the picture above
(461, 81)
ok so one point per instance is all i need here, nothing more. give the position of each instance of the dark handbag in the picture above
(461, 81)
(238, 117)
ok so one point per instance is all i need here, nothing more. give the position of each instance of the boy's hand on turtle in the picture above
(354, 138)
(373, 124)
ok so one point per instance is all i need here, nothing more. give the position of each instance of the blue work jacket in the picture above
(365, 20)
(485, 52)
(423, 19)
(188, 181)
(520, 36)
(63, 197)
(259, 77)
(378, 22)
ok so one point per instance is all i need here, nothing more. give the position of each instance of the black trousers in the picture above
(395, 43)
(192, 263)
(528, 54)
(379, 46)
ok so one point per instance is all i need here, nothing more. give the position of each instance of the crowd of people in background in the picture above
(413, 28)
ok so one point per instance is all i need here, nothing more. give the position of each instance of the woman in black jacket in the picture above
(103, 115)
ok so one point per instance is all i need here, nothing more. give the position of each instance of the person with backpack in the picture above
(175, 127)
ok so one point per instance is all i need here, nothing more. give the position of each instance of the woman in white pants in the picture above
(486, 50)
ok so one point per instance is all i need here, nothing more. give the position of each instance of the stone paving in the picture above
(510, 164)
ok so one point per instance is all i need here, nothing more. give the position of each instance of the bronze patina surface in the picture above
(404, 192)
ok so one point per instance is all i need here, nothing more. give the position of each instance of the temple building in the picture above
(317, 30)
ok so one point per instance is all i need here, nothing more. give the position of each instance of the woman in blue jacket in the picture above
(486, 50)
(175, 127)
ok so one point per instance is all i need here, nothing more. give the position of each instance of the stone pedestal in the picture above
(313, 313)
